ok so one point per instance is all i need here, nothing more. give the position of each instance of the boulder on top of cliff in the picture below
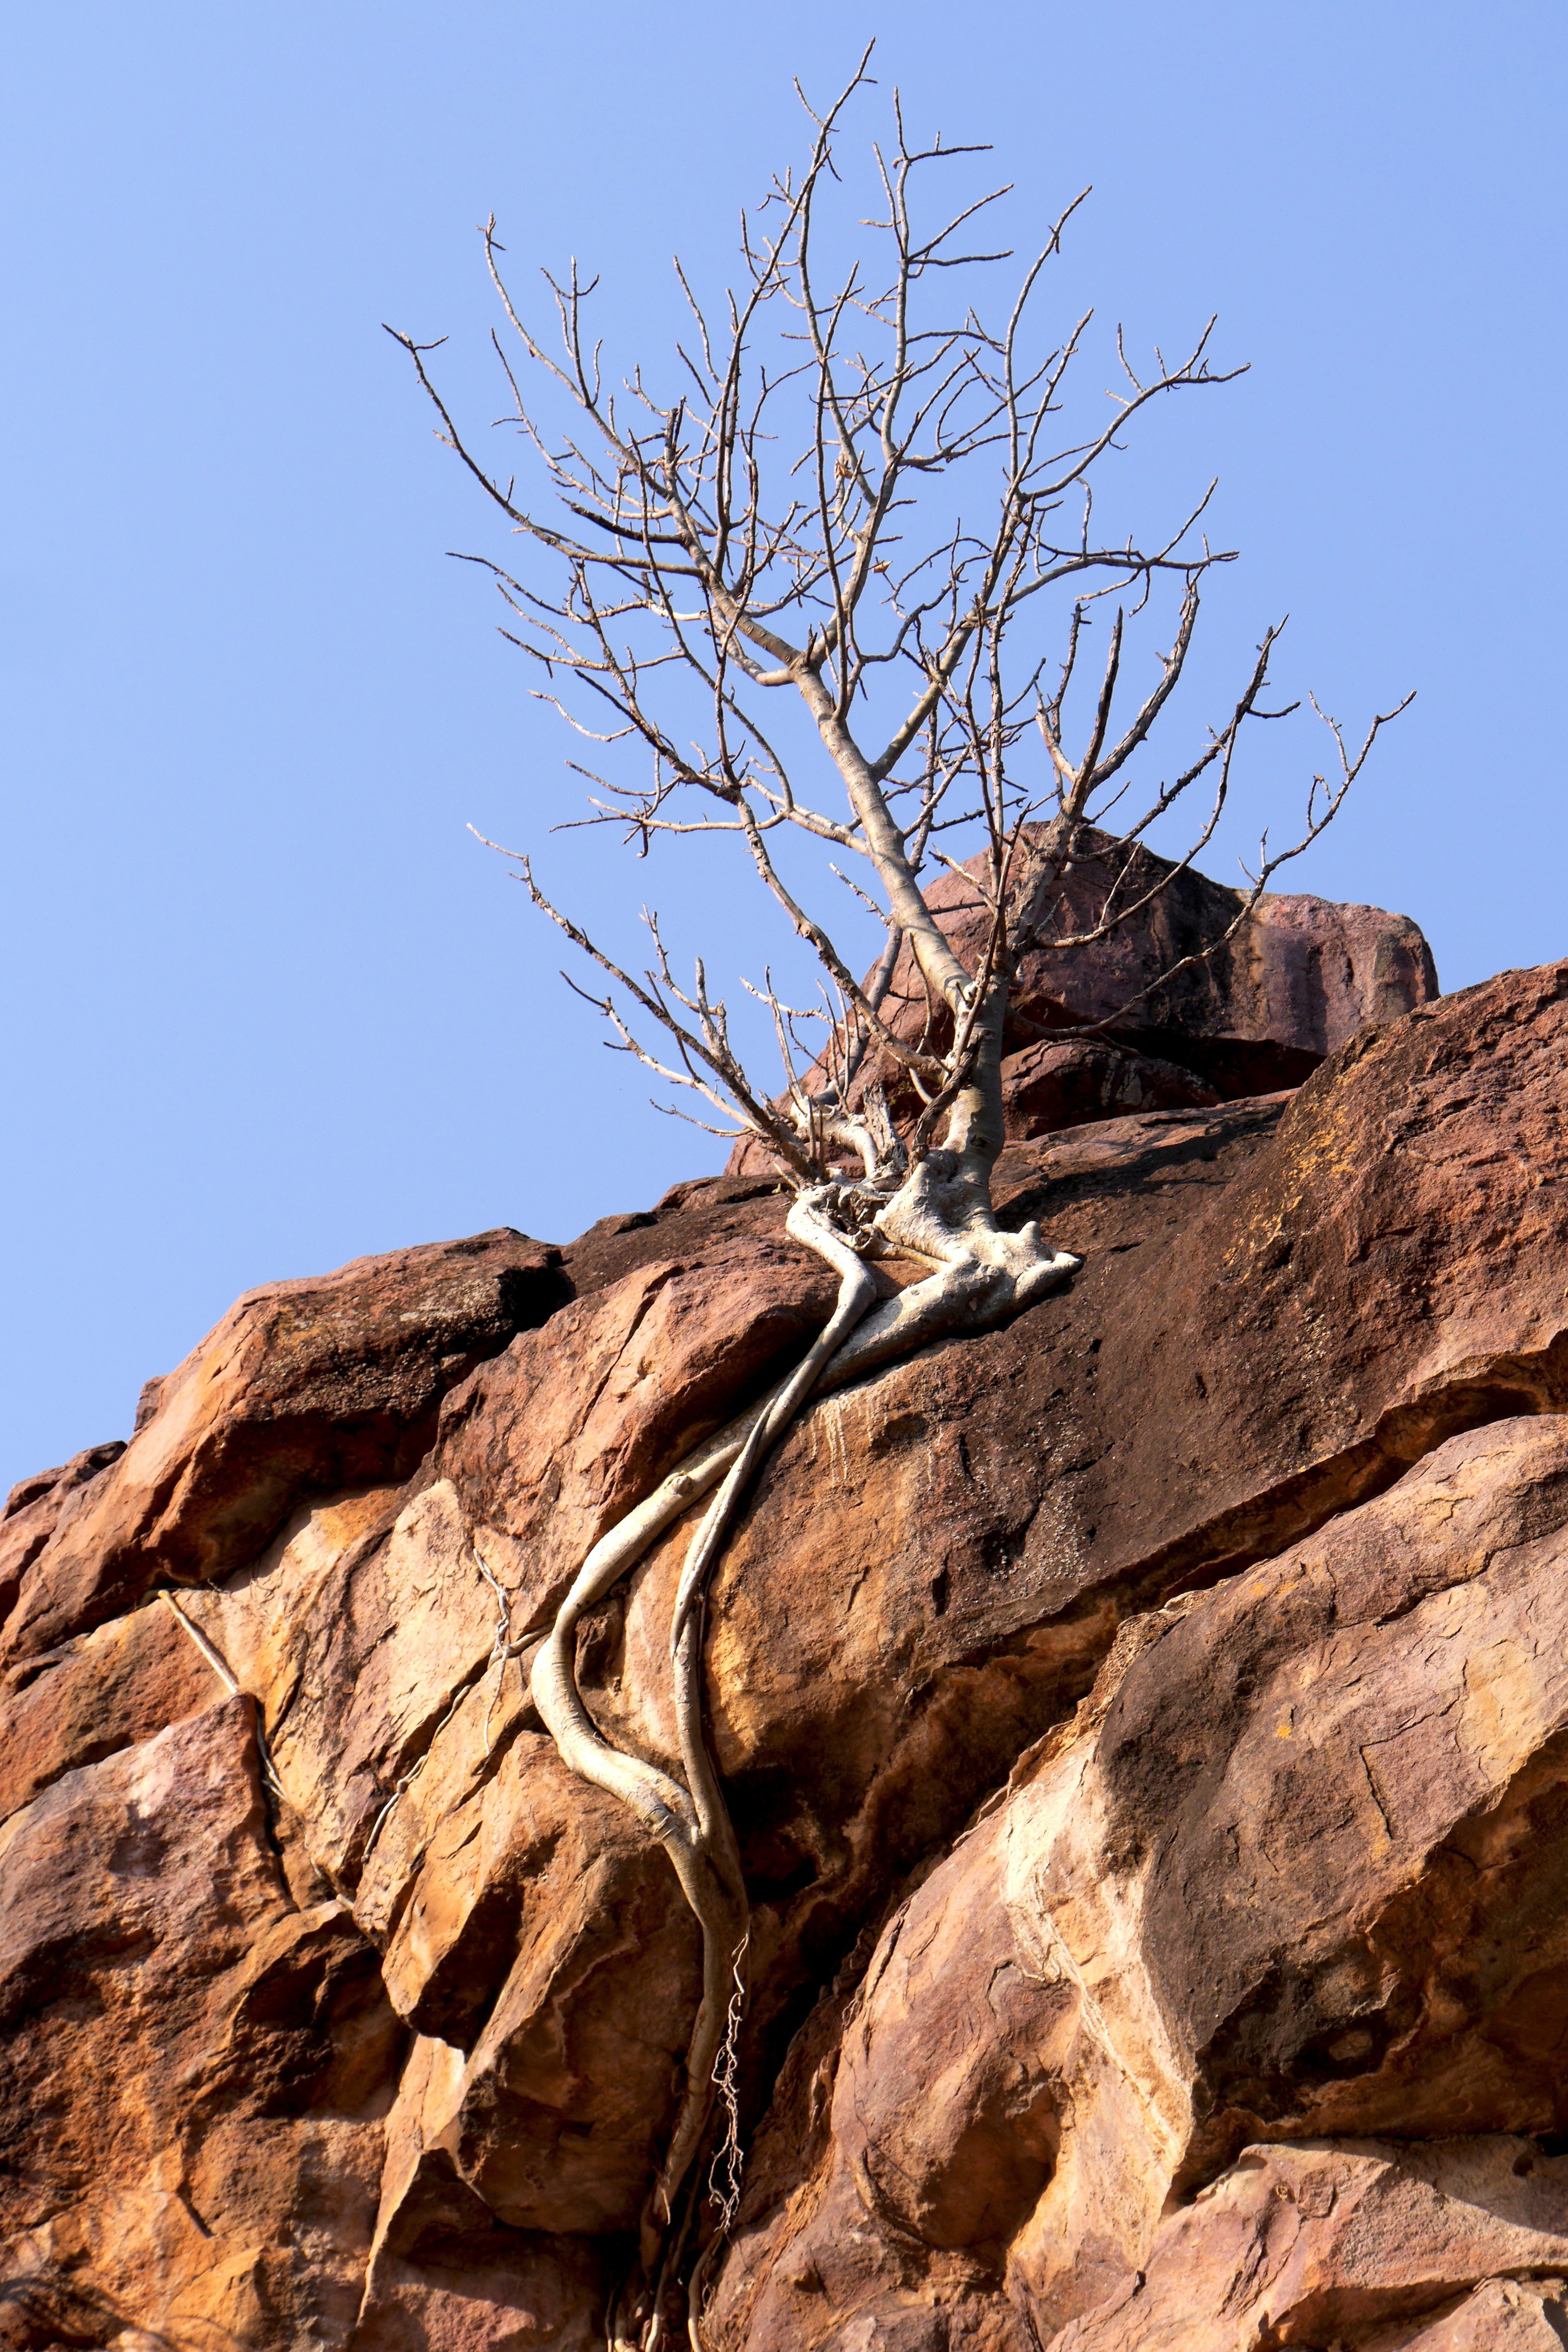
(1254, 1012)
(1247, 1015)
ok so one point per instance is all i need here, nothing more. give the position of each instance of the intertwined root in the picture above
(980, 1276)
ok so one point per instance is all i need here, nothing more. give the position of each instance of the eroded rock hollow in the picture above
(1145, 1727)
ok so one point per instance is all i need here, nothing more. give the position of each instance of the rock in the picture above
(1328, 1321)
(1248, 1016)
(442, 2270)
(1503, 2316)
(861, 1708)
(1046, 1087)
(367, 1631)
(35, 1508)
(110, 1690)
(1338, 2240)
(54, 1487)
(1206, 1394)
(1296, 1869)
(1146, 1728)
(569, 1426)
(193, 2072)
(1297, 982)
(303, 1386)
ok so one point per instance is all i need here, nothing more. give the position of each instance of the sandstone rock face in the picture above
(304, 1385)
(1046, 1087)
(1299, 2245)
(1146, 1728)
(35, 1507)
(195, 2065)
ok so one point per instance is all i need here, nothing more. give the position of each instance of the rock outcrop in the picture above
(1145, 1727)
(1253, 1004)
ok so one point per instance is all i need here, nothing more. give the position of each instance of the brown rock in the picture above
(546, 1446)
(902, 1610)
(691, 1221)
(108, 1690)
(304, 1386)
(859, 1714)
(1297, 982)
(1339, 2241)
(1503, 2316)
(1251, 1015)
(1046, 1087)
(1226, 1585)
(1327, 1321)
(541, 1933)
(189, 2138)
(1298, 1869)
(442, 2270)
(355, 1631)
(366, 1633)
(1279, 1310)
(35, 1507)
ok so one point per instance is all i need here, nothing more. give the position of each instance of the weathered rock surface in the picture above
(35, 1508)
(1244, 1016)
(1292, 1871)
(1299, 979)
(304, 1386)
(1302, 2246)
(195, 2069)
(1047, 1088)
(1146, 1730)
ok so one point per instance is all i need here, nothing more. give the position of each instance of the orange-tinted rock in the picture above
(1346, 2240)
(355, 1631)
(900, 1610)
(35, 1507)
(442, 2271)
(546, 1446)
(540, 1932)
(305, 1386)
(515, 1906)
(192, 2075)
(1504, 2314)
(1387, 1271)
(108, 1690)
(1144, 1726)
(1279, 1310)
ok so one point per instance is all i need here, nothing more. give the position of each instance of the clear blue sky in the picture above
(267, 1007)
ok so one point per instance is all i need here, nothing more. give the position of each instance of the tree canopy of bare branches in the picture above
(853, 498)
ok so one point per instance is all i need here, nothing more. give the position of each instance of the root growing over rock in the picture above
(980, 1276)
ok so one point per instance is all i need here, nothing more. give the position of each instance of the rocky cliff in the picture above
(1146, 1729)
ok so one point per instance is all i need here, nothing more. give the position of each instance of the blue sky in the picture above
(266, 1006)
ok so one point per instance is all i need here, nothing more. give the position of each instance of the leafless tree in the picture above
(810, 588)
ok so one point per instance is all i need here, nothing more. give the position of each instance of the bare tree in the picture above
(811, 589)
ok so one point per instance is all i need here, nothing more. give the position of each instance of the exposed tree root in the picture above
(980, 1276)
